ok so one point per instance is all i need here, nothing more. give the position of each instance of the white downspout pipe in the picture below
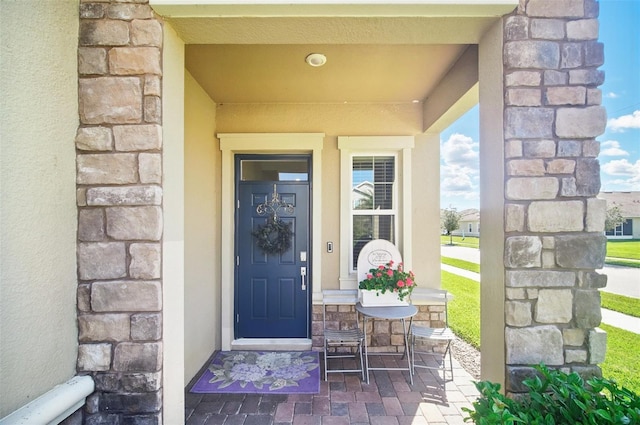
(53, 406)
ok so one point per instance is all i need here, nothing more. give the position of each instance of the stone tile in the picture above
(236, 420)
(343, 397)
(321, 406)
(384, 420)
(307, 420)
(250, 404)
(401, 387)
(257, 420)
(353, 383)
(231, 407)
(302, 409)
(300, 398)
(431, 411)
(339, 409)
(412, 397)
(392, 406)
(284, 412)
(411, 409)
(337, 386)
(276, 398)
(215, 419)
(197, 418)
(191, 401)
(267, 407)
(336, 420)
(209, 407)
(412, 420)
(358, 412)
(368, 397)
(375, 409)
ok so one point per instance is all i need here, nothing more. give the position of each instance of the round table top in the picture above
(388, 312)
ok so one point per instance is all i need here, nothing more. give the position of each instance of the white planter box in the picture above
(375, 299)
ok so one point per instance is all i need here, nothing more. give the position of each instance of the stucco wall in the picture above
(335, 120)
(202, 229)
(38, 330)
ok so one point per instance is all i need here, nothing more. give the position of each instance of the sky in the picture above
(620, 144)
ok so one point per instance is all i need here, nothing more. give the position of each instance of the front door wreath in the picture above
(274, 237)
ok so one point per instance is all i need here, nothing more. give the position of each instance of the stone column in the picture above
(119, 192)
(554, 224)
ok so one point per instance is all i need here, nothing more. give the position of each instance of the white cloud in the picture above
(612, 95)
(625, 122)
(459, 171)
(459, 149)
(628, 171)
(612, 148)
(457, 179)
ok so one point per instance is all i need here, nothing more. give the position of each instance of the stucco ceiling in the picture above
(353, 73)
(376, 53)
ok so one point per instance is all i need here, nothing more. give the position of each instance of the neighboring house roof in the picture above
(471, 214)
(365, 188)
(629, 202)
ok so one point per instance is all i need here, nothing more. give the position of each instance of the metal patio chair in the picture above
(431, 336)
(335, 338)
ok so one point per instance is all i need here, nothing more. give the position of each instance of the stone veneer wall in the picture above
(382, 335)
(119, 176)
(553, 222)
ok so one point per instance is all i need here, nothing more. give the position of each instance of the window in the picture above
(375, 172)
(274, 170)
(625, 229)
(373, 201)
(470, 227)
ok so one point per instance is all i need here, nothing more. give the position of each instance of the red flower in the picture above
(385, 278)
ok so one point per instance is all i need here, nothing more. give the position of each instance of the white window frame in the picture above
(401, 148)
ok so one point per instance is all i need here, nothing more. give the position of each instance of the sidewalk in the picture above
(613, 318)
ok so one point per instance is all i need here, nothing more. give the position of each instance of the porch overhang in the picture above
(433, 8)
(328, 22)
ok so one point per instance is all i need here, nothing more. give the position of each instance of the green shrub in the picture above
(557, 398)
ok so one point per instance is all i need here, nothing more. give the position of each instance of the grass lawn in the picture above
(620, 303)
(464, 309)
(622, 358)
(629, 249)
(622, 355)
(469, 241)
(461, 264)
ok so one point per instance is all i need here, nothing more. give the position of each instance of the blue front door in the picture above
(272, 291)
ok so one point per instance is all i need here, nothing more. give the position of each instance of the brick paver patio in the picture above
(345, 399)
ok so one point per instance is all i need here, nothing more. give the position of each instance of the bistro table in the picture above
(401, 312)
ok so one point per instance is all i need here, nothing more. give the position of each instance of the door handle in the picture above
(303, 275)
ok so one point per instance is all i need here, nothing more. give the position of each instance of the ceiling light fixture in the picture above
(316, 59)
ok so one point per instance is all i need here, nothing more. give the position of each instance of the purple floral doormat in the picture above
(277, 372)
